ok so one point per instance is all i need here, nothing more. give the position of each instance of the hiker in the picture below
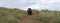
(29, 11)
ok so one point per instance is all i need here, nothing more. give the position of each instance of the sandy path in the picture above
(31, 18)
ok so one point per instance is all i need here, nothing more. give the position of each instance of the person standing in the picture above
(29, 11)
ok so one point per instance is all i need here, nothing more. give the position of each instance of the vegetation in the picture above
(11, 15)
(14, 15)
(48, 16)
(29, 21)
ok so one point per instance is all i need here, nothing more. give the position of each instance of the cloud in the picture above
(34, 4)
(16, 3)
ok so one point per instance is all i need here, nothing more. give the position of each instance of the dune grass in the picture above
(15, 15)
(11, 15)
(47, 16)
(29, 21)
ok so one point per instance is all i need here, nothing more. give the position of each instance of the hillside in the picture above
(11, 15)
(49, 16)
(15, 15)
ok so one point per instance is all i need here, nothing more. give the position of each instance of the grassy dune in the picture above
(14, 15)
(11, 15)
(48, 16)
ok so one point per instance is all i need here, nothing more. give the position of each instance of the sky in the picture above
(34, 4)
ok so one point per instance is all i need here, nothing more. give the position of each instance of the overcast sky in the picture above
(34, 4)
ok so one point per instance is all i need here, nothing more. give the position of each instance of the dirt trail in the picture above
(31, 18)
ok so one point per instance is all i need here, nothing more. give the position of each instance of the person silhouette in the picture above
(29, 11)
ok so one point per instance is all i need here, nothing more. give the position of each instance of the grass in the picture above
(11, 15)
(15, 15)
(47, 16)
(29, 21)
